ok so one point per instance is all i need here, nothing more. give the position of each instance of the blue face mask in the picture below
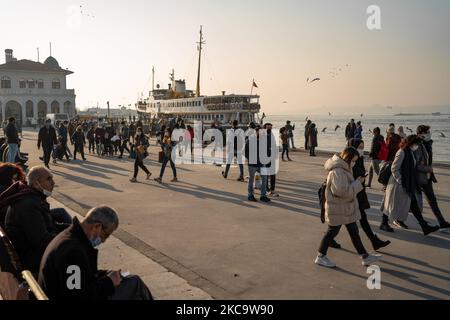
(96, 242)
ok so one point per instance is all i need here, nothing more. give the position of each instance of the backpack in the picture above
(384, 151)
(321, 193)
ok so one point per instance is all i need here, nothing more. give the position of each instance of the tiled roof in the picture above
(28, 65)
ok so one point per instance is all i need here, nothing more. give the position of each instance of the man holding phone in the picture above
(69, 266)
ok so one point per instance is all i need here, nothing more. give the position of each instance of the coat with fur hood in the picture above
(341, 204)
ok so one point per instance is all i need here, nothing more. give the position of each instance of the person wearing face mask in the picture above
(402, 192)
(425, 173)
(359, 171)
(167, 146)
(77, 246)
(141, 145)
(79, 142)
(47, 139)
(30, 223)
(341, 206)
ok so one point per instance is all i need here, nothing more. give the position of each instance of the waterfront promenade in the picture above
(201, 238)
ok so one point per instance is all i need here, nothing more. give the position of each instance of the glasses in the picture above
(103, 234)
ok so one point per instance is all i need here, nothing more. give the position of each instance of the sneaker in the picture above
(386, 227)
(400, 224)
(252, 198)
(324, 262)
(290, 160)
(159, 180)
(133, 180)
(149, 175)
(273, 194)
(427, 229)
(371, 259)
(264, 199)
(223, 174)
(174, 180)
(241, 179)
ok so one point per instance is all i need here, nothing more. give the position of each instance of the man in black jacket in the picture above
(425, 173)
(69, 266)
(30, 223)
(12, 137)
(47, 138)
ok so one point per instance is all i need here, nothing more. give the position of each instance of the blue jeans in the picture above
(13, 149)
(60, 215)
(164, 164)
(251, 181)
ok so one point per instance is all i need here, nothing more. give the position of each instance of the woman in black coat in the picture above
(141, 145)
(363, 201)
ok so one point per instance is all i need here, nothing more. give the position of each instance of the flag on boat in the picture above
(254, 84)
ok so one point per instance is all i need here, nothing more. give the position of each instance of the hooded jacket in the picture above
(28, 223)
(341, 204)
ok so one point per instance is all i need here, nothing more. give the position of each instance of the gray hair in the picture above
(107, 216)
(36, 173)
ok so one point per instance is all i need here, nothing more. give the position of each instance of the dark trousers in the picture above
(92, 145)
(164, 164)
(241, 170)
(417, 212)
(272, 179)
(366, 226)
(306, 143)
(80, 149)
(132, 288)
(47, 155)
(60, 215)
(138, 162)
(123, 147)
(333, 231)
(64, 149)
(432, 201)
(285, 151)
(312, 151)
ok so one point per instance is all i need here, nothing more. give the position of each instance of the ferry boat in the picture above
(178, 102)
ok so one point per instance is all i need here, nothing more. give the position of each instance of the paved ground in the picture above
(203, 230)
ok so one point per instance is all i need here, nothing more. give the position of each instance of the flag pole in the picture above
(251, 91)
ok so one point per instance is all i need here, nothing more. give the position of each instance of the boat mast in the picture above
(153, 78)
(200, 46)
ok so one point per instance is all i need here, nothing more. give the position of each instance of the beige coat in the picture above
(341, 204)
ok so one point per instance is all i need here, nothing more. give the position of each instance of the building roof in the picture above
(51, 62)
(50, 65)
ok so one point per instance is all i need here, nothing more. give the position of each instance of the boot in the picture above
(427, 229)
(385, 224)
(378, 244)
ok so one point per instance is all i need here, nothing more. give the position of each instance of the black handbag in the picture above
(385, 173)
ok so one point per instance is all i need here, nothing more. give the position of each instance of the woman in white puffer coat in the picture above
(341, 206)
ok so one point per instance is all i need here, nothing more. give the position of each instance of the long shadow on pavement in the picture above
(393, 286)
(87, 182)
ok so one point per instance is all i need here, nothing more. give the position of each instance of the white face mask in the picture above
(361, 151)
(414, 148)
(427, 136)
(45, 191)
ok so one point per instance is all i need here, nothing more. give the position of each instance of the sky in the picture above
(113, 45)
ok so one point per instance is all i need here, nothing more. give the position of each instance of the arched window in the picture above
(6, 83)
(56, 84)
(29, 109)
